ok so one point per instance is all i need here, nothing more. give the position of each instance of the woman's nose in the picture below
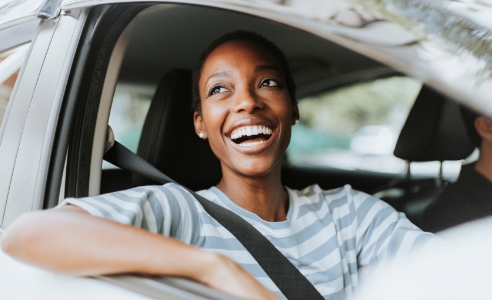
(247, 101)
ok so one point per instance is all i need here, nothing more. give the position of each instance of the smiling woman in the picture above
(245, 107)
(244, 90)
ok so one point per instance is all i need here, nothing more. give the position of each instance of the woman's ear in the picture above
(200, 129)
(295, 114)
(483, 125)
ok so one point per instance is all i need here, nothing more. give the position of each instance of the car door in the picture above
(35, 56)
(29, 126)
(18, 27)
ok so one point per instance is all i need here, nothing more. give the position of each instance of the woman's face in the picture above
(246, 111)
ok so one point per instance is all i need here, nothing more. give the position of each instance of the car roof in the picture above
(316, 63)
(450, 52)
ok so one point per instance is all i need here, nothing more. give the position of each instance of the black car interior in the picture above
(169, 141)
(433, 131)
(160, 55)
(166, 37)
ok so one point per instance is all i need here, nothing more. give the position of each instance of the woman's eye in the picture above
(217, 89)
(269, 83)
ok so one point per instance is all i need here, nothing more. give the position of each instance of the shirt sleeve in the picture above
(169, 210)
(381, 233)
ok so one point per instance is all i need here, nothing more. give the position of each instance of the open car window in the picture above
(127, 116)
(128, 111)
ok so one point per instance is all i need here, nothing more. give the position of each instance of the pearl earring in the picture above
(297, 121)
(201, 135)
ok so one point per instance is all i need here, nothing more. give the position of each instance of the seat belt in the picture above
(281, 271)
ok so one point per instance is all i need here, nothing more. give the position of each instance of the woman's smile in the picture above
(251, 135)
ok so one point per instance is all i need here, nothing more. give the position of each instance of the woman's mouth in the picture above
(251, 135)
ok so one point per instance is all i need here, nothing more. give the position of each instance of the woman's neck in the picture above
(263, 196)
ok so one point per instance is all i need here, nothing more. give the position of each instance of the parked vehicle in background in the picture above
(68, 68)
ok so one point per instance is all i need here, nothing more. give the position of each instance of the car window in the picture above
(356, 127)
(127, 116)
(10, 65)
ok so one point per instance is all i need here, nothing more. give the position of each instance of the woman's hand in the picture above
(228, 277)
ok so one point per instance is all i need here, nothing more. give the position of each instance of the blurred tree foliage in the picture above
(127, 116)
(329, 120)
(345, 110)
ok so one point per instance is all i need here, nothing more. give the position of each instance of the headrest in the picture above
(433, 131)
(169, 141)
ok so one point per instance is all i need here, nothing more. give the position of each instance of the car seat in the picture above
(169, 141)
(433, 131)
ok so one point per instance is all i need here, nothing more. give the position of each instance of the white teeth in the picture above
(250, 144)
(249, 131)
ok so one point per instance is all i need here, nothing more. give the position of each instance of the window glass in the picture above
(10, 64)
(128, 112)
(356, 128)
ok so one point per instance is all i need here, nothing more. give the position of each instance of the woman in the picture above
(245, 106)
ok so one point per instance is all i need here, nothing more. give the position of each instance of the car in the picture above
(70, 68)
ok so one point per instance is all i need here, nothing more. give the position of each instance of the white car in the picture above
(68, 68)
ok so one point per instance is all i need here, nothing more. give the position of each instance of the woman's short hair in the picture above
(242, 35)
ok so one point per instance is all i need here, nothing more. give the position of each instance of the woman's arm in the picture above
(69, 240)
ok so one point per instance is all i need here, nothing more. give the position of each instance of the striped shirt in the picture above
(333, 237)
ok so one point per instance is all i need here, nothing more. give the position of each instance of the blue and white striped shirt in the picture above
(332, 237)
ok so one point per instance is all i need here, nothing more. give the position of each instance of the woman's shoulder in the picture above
(168, 191)
(340, 195)
(315, 190)
(155, 188)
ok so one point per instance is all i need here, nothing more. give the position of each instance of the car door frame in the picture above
(28, 134)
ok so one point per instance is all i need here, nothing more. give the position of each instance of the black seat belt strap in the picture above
(283, 273)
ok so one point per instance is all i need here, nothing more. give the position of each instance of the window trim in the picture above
(77, 125)
(32, 28)
(104, 110)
